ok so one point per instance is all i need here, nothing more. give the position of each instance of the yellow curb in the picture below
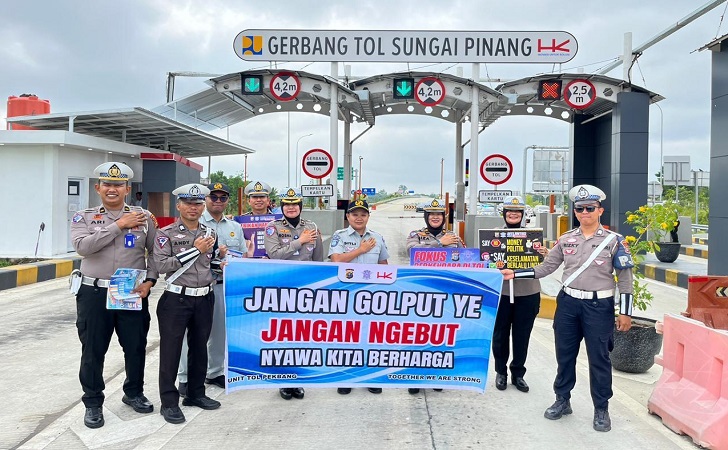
(671, 276)
(64, 267)
(649, 271)
(548, 307)
(26, 274)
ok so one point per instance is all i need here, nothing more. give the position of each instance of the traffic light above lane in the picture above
(403, 88)
(252, 84)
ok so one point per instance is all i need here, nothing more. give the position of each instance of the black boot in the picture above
(602, 422)
(561, 407)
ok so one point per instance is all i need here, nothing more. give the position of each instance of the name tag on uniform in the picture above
(129, 240)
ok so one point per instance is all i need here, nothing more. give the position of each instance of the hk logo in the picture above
(385, 275)
(252, 45)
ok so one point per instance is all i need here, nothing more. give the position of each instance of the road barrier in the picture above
(708, 300)
(410, 206)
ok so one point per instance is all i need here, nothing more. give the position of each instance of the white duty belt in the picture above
(193, 292)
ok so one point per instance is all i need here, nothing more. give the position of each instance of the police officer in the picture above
(296, 239)
(259, 198)
(591, 255)
(187, 251)
(517, 317)
(112, 236)
(434, 234)
(358, 244)
(229, 236)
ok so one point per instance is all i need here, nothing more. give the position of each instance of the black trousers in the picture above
(514, 319)
(592, 321)
(177, 314)
(95, 325)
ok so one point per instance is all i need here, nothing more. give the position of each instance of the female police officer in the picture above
(591, 255)
(293, 238)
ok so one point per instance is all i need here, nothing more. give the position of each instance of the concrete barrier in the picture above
(708, 301)
(691, 396)
(23, 274)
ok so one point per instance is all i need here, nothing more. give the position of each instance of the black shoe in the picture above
(561, 407)
(298, 393)
(182, 389)
(343, 391)
(602, 422)
(140, 403)
(375, 390)
(413, 391)
(94, 417)
(437, 390)
(203, 402)
(520, 384)
(501, 382)
(172, 414)
(285, 393)
(217, 381)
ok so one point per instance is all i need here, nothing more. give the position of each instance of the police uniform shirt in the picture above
(281, 241)
(229, 232)
(105, 247)
(423, 238)
(573, 249)
(175, 245)
(348, 239)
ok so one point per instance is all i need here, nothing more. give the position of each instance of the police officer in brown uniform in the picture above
(591, 255)
(434, 234)
(187, 252)
(112, 236)
(514, 320)
(294, 239)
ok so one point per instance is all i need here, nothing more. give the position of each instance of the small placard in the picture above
(317, 190)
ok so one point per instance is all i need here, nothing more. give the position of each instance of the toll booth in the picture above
(163, 173)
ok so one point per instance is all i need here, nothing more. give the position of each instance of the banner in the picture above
(446, 257)
(511, 248)
(254, 229)
(297, 324)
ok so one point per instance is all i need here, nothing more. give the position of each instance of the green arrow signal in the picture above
(252, 84)
(404, 88)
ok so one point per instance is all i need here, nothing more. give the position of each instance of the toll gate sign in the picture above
(580, 94)
(317, 163)
(496, 169)
(285, 86)
(429, 91)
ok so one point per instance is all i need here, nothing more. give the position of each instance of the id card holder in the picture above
(129, 240)
(297, 252)
(74, 281)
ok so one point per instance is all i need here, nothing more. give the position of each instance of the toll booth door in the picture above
(77, 200)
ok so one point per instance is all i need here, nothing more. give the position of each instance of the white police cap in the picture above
(192, 193)
(435, 206)
(291, 197)
(114, 172)
(257, 188)
(514, 203)
(586, 193)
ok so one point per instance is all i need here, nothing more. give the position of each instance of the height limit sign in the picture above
(496, 169)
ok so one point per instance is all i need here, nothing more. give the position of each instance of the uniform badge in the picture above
(232, 234)
(179, 236)
(182, 249)
(98, 217)
(598, 262)
(129, 240)
(77, 218)
(161, 240)
(571, 240)
(154, 220)
(310, 247)
(625, 244)
(334, 240)
(569, 251)
(270, 231)
(413, 234)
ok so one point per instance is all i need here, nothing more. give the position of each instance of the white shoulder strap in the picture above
(593, 256)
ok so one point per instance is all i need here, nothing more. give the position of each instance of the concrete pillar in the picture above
(718, 216)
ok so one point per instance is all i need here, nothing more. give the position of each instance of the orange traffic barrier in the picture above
(691, 396)
(708, 300)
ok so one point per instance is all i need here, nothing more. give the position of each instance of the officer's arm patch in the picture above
(335, 240)
(154, 220)
(622, 258)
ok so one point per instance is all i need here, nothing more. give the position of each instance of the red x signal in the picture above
(549, 90)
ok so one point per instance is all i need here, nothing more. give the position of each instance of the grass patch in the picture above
(5, 262)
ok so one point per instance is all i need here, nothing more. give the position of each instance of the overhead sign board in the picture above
(496, 169)
(429, 91)
(406, 46)
(369, 191)
(317, 163)
(317, 190)
(493, 196)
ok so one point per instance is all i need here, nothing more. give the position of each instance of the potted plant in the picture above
(634, 350)
(656, 227)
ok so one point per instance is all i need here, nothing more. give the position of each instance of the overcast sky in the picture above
(85, 56)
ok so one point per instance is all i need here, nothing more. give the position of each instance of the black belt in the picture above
(219, 281)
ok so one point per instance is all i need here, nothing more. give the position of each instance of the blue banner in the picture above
(296, 324)
(446, 257)
(254, 230)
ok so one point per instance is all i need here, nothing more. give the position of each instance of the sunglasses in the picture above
(580, 209)
(218, 198)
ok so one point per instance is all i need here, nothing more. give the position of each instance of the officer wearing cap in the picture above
(112, 236)
(434, 234)
(591, 256)
(259, 198)
(296, 239)
(515, 318)
(358, 244)
(230, 237)
(187, 252)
